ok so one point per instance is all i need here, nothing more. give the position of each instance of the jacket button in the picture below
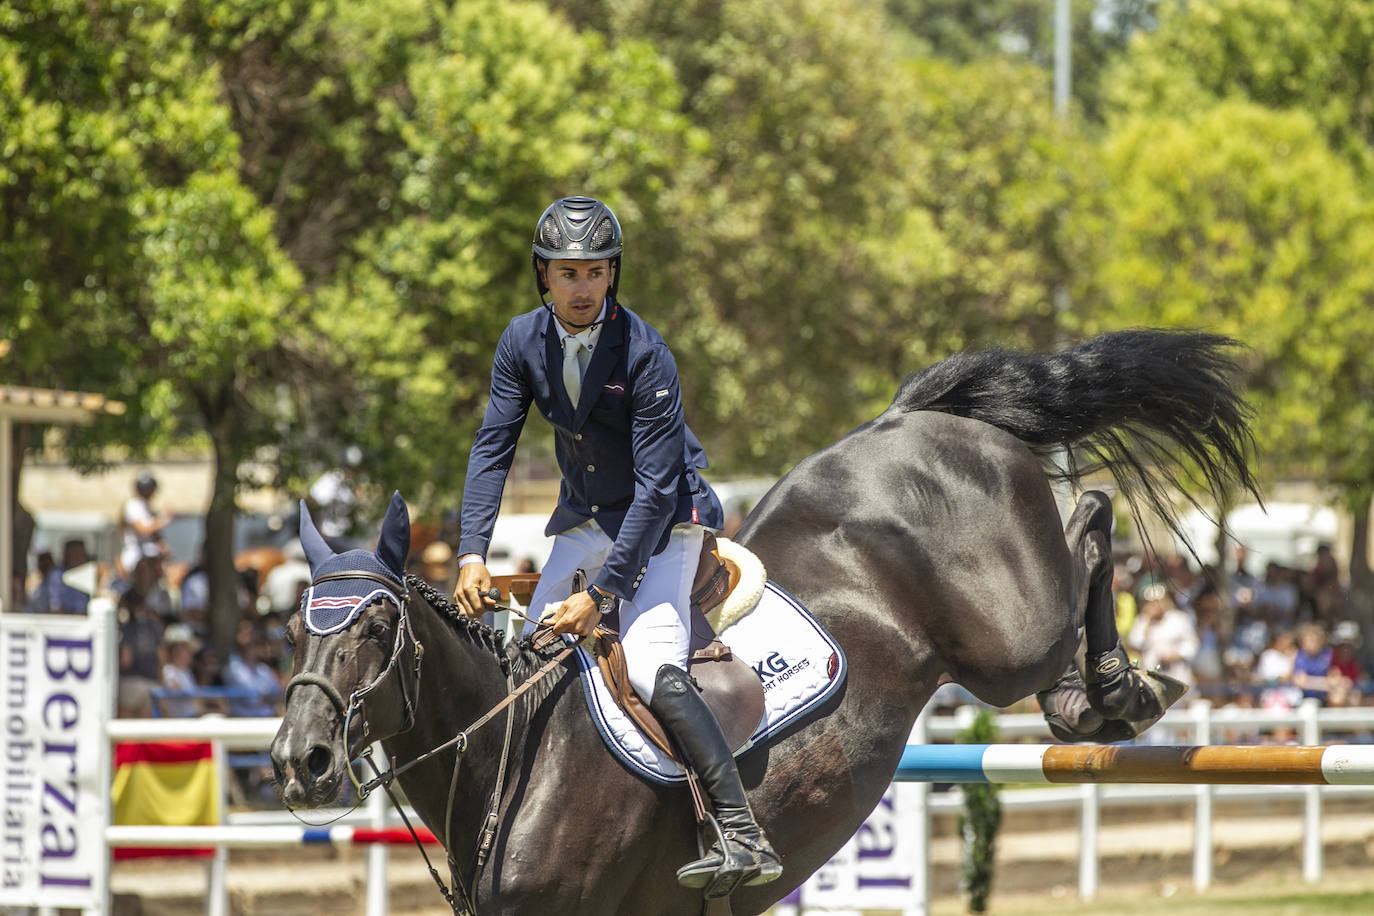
(577, 437)
(591, 468)
(596, 508)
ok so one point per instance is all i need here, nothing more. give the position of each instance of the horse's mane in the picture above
(475, 631)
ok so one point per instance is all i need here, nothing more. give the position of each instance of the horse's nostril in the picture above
(317, 762)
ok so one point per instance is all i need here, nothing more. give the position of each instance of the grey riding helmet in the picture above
(576, 229)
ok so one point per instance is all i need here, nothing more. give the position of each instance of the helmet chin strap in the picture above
(580, 327)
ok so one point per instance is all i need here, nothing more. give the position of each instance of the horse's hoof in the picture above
(1120, 690)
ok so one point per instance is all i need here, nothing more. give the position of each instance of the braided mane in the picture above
(493, 640)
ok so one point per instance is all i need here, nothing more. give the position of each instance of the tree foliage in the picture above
(283, 229)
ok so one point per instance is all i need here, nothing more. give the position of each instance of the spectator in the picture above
(140, 654)
(195, 598)
(1346, 674)
(1275, 670)
(1181, 580)
(1277, 598)
(248, 670)
(1207, 667)
(285, 583)
(208, 671)
(1163, 635)
(68, 600)
(437, 566)
(147, 588)
(40, 600)
(1241, 578)
(1275, 664)
(1323, 598)
(1312, 662)
(181, 646)
(142, 526)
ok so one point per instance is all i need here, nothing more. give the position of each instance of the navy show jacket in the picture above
(626, 454)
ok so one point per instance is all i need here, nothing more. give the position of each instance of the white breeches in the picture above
(654, 625)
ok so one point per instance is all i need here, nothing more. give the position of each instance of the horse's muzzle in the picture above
(308, 769)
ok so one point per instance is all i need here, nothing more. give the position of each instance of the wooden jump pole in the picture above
(1335, 764)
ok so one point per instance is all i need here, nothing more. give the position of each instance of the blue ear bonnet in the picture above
(329, 606)
(334, 605)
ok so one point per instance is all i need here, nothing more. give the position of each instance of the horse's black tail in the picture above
(1132, 402)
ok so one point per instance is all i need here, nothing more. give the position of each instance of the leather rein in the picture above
(356, 705)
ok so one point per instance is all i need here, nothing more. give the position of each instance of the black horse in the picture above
(927, 541)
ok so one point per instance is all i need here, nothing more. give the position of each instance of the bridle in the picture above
(409, 694)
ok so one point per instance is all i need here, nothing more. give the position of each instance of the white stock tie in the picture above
(573, 363)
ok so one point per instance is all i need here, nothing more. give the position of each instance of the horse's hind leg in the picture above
(1116, 701)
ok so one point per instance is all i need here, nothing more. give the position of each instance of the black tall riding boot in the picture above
(744, 856)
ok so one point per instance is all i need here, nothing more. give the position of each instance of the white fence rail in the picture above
(1198, 724)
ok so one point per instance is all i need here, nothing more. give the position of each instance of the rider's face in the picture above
(577, 289)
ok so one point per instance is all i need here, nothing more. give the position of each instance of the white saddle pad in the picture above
(799, 663)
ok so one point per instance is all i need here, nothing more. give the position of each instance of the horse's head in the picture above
(355, 670)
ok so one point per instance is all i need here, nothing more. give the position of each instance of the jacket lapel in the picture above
(553, 365)
(604, 359)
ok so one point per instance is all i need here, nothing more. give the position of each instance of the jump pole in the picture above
(1333, 765)
(260, 836)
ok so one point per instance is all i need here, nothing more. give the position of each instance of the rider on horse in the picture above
(632, 510)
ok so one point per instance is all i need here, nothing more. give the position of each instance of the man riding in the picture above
(632, 510)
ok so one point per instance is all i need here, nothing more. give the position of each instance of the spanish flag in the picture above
(165, 783)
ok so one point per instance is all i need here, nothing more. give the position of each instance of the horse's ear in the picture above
(316, 550)
(394, 543)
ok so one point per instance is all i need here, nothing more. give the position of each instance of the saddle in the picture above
(728, 684)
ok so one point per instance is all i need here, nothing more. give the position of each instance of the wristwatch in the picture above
(604, 603)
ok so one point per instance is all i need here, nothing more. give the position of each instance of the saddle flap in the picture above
(731, 688)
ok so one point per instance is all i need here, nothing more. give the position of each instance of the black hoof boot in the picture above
(741, 853)
(1119, 690)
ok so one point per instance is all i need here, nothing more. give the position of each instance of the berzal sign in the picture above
(880, 868)
(54, 759)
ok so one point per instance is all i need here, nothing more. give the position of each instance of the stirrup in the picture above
(722, 868)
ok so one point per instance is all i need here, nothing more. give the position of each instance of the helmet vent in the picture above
(604, 236)
(549, 234)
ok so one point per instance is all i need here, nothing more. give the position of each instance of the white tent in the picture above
(1285, 533)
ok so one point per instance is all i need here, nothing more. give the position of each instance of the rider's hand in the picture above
(474, 580)
(578, 615)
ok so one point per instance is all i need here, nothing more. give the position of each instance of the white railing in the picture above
(1198, 724)
(272, 828)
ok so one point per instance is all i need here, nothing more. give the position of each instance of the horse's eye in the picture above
(377, 629)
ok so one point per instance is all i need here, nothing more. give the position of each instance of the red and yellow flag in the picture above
(166, 783)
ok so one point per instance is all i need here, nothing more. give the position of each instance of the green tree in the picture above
(981, 241)
(1023, 30)
(1243, 220)
(1313, 58)
(762, 266)
(1316, 57)
(286, 228)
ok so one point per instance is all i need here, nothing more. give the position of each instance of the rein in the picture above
(383, 780)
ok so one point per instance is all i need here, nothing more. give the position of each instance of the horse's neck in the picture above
(460, 680)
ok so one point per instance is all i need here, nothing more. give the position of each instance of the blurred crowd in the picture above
(1269, 637)
(167, 666)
